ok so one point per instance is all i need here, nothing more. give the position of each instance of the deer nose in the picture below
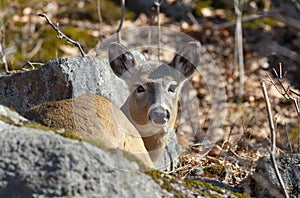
(158, 114)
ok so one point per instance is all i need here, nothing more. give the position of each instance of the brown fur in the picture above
(138, 110)
(92, 117)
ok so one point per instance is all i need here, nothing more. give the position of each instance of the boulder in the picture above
(265, 182)
(36, 162)
(59, 79)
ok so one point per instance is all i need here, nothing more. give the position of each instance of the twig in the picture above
(298, 112)
(32, 64)
(296, 103)
(237, 155)
(288, 138)
(36, 49)
(100, 18)
(194, 20)
(100, 31)
(158, 3)
(150, 21)
(285, 92)
(247, 18)
(189, 172)
(149, 43)
(3, 55)
(289, 21)
(238, 51)
(229, 135)
(273, 138)
(295, 92)
(121, 21)
(62, 35)
(3, 58)
(274, 84)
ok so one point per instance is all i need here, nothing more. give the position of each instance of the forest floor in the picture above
(246, 134)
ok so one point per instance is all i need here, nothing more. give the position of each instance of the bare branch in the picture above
(3, 58)
(121, 21)
(273, 138)
(298, 112)
(194, 20)
(100, 30)
(288, 138)
(2, 53)
(274, 70)
(270, 79)
(290, 21)
(36, 49)
(99, 15)
(295, 92)
(270, 117)
(285, 92)
(149, 43)
(247, 18)
(150, 21)
(31, 64)
(280, 71)
(238, 51)
(61, 35)
(158, 3)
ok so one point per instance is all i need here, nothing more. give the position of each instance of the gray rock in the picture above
(35, 163)
(60, 79)
(265, 182)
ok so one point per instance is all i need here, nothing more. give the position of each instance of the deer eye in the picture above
(172, 88)
(140, 89)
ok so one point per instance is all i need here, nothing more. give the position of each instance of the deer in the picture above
(154, 87)
(148, 115)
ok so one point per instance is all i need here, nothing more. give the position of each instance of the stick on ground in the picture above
(273, 139)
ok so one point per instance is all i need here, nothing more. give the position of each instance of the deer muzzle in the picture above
(159, 114)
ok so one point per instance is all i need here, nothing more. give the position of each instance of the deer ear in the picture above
(122, 62)
(187, 59)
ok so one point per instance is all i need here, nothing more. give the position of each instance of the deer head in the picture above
(154, 89)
